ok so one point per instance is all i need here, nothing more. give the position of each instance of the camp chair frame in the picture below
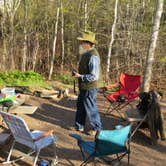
(137, 120)
(149, 111)
(35, 140)
(129, 85)
(95, 145)
(93, 158)
(118, 106)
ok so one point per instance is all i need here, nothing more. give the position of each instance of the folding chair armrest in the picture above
(111, 86)
(44, 135)
(110, 89)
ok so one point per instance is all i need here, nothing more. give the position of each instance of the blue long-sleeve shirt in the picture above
(94, 68)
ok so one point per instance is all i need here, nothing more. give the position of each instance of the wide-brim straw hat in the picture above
(87, 36)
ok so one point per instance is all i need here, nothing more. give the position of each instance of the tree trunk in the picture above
(86, 15)
(25, 38)
(112, 40)
(54, 43)
(35, 52)
(11, 8)
(151, 51)
(48, 38)
(62, 36)
(3, 31)
(48, 47)
(12, 41)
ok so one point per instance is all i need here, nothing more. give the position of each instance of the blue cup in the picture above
(44, 163)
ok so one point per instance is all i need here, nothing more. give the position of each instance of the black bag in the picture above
(122, 98)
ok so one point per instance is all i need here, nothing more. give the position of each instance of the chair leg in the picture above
(94, 162)
(83, 155)
(119, 114)
(85, 162)
(109, 110)
(36, 158)
(128, 158)
(118, 107)
(118, 158)
(10, 152)
(54, 161)
(18, 158)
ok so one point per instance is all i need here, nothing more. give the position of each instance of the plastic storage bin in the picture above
(8, 91)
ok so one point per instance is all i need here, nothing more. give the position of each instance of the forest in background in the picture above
(36, 34)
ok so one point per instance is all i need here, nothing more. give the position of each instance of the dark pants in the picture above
(86, 106)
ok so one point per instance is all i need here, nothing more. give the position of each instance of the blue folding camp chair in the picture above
(107, 142)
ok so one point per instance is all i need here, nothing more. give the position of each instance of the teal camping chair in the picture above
(107, 142)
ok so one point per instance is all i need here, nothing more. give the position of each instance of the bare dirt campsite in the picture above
(49, 46)
(59, 113)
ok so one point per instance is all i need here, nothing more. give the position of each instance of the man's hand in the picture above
(77, 75)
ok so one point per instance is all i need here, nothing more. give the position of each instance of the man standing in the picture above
(89, 79)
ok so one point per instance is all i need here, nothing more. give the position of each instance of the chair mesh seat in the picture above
(88, 147)
(107, 142)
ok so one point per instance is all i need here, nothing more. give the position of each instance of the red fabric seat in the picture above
(129, 85)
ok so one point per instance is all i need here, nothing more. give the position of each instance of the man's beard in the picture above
(82, 50)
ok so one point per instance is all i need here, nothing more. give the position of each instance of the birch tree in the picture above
(112, 40)
(35, 51)
(85, 15)
(3, 31)
(54, 42)
(152, 46)
(25, 37)
(62, 36)
(11, 8)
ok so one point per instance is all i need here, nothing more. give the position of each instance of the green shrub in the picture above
(64, 78)
(1, 82)
(18, 78)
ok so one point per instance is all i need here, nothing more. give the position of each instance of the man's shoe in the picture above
(81, 130)
(73, 128)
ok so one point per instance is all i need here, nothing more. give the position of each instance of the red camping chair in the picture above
(127, 92)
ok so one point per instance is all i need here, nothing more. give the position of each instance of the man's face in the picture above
(82, 47)
(84, 44)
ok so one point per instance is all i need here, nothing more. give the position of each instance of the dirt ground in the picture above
(59, 114)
